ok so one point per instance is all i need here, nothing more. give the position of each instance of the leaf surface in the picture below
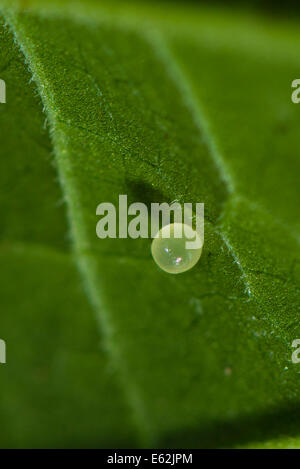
(58, 388)
(169, 107)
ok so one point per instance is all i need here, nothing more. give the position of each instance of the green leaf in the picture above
(58, 388)
(194, 105)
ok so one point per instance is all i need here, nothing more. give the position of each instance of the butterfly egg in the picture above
(169, 248)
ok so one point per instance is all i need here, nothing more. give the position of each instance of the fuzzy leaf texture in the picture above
(161, 103)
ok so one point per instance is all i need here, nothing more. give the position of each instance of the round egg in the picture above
(169, 249)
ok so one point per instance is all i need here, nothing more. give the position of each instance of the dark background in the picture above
(276, 7)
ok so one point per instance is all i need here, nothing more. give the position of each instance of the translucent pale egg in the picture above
(170, 253)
